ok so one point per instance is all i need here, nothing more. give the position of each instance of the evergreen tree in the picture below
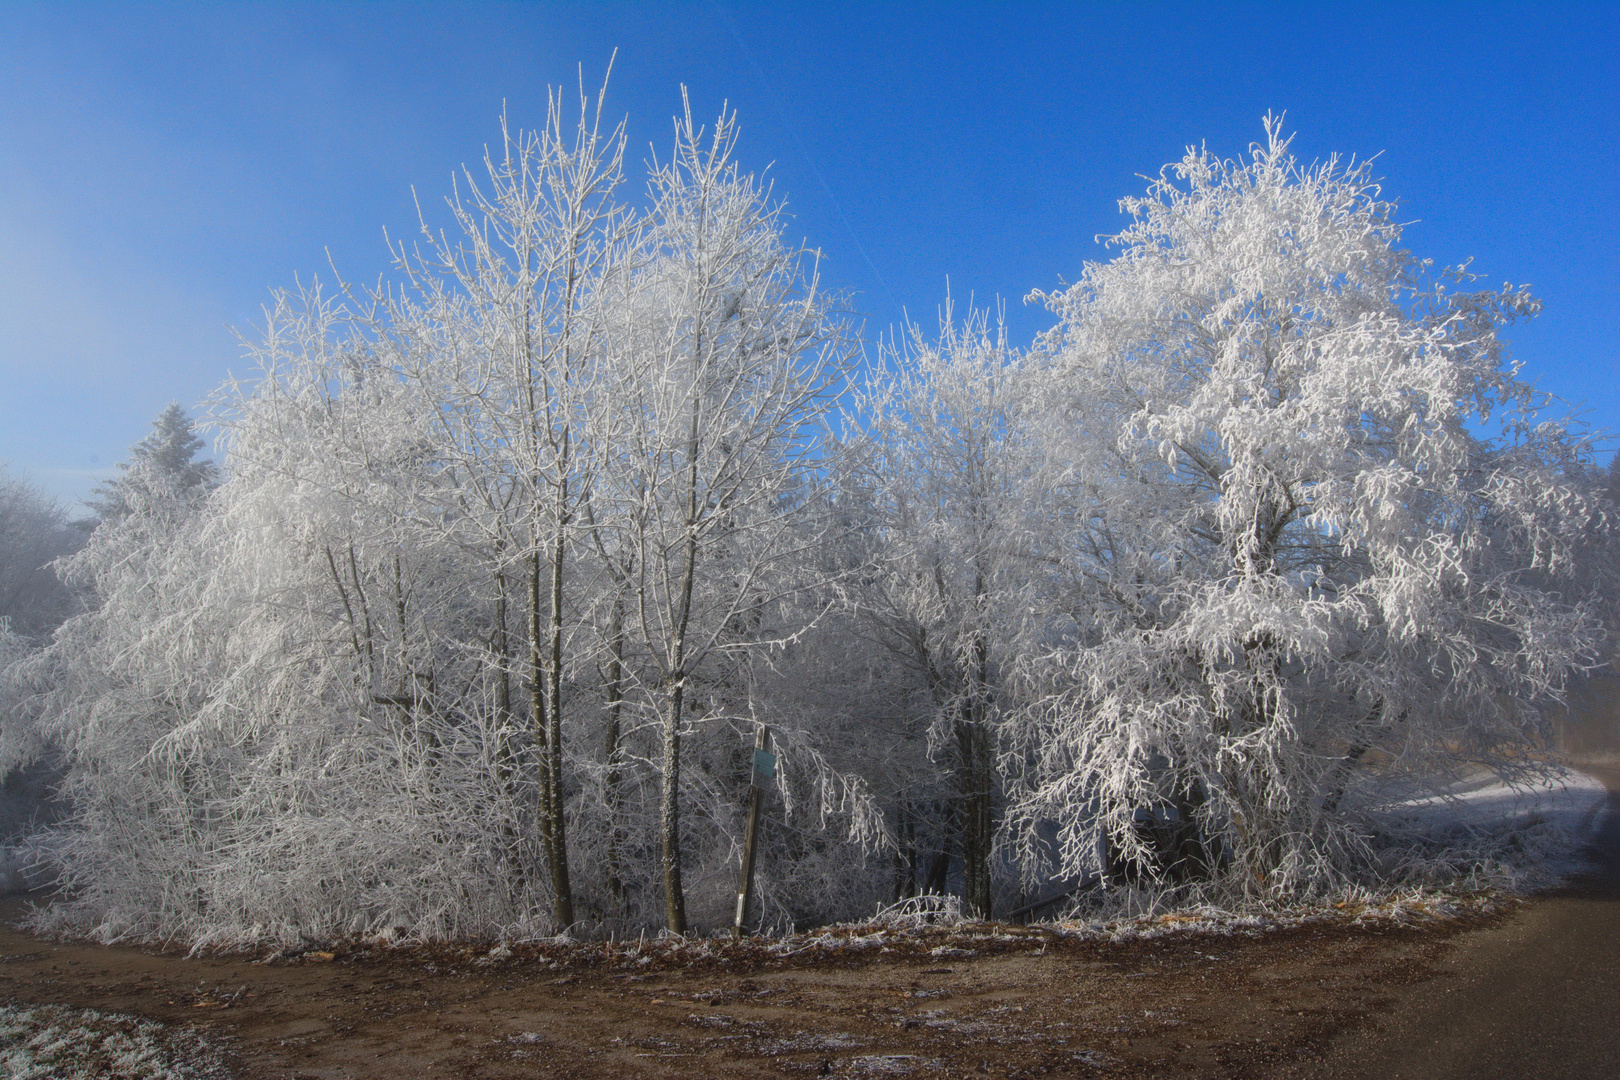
(162, 464)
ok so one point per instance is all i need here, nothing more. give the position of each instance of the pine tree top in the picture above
(165, 460)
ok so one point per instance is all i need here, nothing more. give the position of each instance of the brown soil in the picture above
(1022, 1005)
(1458, 997)
(1537, 998)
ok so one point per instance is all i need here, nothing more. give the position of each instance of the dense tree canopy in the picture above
(1296, 554)
(507, 559)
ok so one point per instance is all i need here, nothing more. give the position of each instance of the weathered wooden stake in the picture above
(763, 770)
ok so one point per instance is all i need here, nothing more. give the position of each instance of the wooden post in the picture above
(764, 768)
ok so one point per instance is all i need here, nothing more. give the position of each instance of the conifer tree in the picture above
(162, 464)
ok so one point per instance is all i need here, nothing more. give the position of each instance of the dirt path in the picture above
(1024, 1007)
(1537, 998)
(1535, 993)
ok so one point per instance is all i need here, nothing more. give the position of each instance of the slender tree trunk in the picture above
(548, 739)
(670, 810)
(939, 869)
(905, 856)
(674, 894)
(976, 783)
(562, 890)
(537, 700)
(507, 763)
(365, 614)
(973, 778)
(614, 691)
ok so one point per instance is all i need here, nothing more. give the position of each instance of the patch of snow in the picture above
(53, 1042)
(892, 1064)
(1547, 819)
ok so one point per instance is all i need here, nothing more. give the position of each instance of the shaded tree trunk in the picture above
(543, 693)
(613, 689)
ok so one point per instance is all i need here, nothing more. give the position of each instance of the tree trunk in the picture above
(548, 749)
(614, 692)
(939, 868)
(674, 895)
(562, 889)
(976, 781)
(506, 760)
(905, 855)
(670, 810)
(973, 777)
(1191, 857)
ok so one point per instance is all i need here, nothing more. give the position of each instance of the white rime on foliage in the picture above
(462, 644)
(512, 553)
(951, 485)
(1299, 566)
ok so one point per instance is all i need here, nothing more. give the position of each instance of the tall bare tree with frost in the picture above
(502, 339)
(951, 472)
(727, 360)
(1301, 561)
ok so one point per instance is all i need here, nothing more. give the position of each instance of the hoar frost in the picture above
(510, 555)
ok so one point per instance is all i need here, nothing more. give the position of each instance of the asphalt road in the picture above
(1537, 998)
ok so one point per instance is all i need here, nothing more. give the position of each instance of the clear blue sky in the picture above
(162, 167)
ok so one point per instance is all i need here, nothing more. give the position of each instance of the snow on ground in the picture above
(1475, 846)
(1484, 798)
(52, 1042)
(1551, 818)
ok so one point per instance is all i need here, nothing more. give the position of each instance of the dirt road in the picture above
(1533, 993)
(1001, 1004)
(1537, 998)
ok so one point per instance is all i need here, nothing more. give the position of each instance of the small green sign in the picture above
(764, 765)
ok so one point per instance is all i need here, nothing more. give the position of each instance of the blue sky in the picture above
(163, 167)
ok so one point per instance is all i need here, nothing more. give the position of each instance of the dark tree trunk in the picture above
(548, 750)
(976, 783)
(614, 689)
(670, 812)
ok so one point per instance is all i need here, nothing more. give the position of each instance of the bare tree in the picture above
(502, 338)
(727, 361)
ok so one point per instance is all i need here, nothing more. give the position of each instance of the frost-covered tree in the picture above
(501, 339)
(484, 540)
(955, 498)
(726, 360)
(34, 533)
(1302, 566)
(165, 461)
(508, 559)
